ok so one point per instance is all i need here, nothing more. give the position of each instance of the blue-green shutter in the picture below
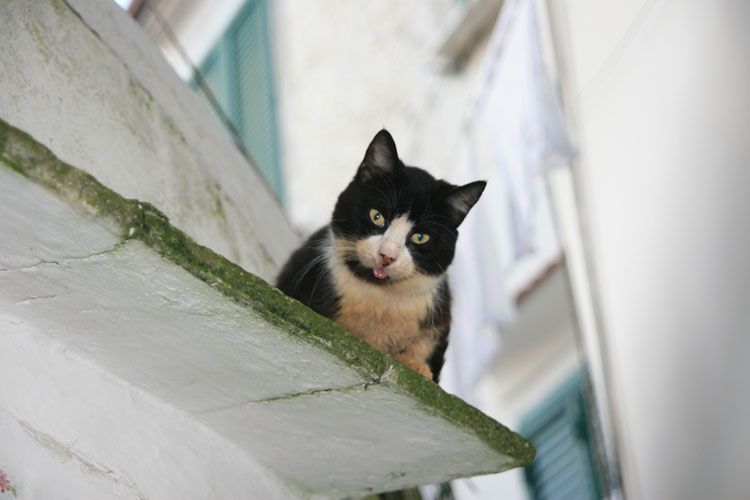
(239, 72)
(559, 429)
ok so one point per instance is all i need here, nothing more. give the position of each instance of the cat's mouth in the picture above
(361, 259)
(376, 274)
(380, 272)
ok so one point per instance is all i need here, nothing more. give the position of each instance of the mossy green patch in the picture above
(140, 220)
(465, 416)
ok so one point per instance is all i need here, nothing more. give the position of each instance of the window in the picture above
(559, 429)
(239, 72)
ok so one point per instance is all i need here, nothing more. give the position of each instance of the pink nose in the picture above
(386, 260)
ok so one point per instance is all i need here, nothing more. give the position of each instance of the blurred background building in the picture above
(601, 283)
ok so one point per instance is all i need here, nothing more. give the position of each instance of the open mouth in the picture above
(380, 272)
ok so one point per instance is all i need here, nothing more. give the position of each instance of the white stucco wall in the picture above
(660, 92)
(100, 96)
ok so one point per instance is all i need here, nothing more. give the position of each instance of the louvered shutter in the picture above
(559, 430)
(239, 72)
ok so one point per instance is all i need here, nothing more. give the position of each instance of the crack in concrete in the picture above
(294, 395)
(28, 300)
(43, 262)
(67, 454)
(315, 392)
(384, 377)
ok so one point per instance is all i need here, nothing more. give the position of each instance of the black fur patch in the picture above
(439, 318)
(306, 276)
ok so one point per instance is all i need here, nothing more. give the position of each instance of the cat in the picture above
(379, 268)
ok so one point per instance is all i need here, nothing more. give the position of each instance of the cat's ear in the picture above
(380, 159)
(460, 200)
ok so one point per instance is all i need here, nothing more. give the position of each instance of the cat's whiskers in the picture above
(300, 275)
(413, 284)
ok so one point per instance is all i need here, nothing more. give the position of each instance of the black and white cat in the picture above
(379, 268)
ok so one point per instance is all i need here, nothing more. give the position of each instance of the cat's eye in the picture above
(377, 218)
(420, 238)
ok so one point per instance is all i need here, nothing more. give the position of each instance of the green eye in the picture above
(377, 218)
(420, 238)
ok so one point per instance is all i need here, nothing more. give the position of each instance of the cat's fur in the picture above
(376, 281)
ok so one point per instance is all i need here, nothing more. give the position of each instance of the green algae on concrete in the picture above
(460, 414)
(144, 222)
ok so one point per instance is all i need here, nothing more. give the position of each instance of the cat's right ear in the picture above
(381, 158)
(460, 200)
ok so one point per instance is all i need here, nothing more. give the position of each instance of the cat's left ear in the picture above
(380, 159)
(460, 200)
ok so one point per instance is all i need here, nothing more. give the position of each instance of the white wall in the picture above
(97, 93)
(347, 69)
(660, 90)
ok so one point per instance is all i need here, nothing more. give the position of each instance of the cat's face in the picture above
(398, 224)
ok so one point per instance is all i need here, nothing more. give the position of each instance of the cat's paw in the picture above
(423, 370)
(418, 366)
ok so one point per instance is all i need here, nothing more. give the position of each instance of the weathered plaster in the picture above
(371, 438)
(83, 428)
(21, 445)
(24, 208)
(112, 106)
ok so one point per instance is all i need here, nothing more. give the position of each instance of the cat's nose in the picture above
(389, 252)
(386, 260)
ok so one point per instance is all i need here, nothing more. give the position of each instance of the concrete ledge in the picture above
(107, 287)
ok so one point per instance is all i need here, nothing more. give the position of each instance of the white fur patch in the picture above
(388, 315)
(392, 243)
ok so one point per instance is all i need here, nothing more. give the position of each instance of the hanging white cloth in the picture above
(516, 117)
